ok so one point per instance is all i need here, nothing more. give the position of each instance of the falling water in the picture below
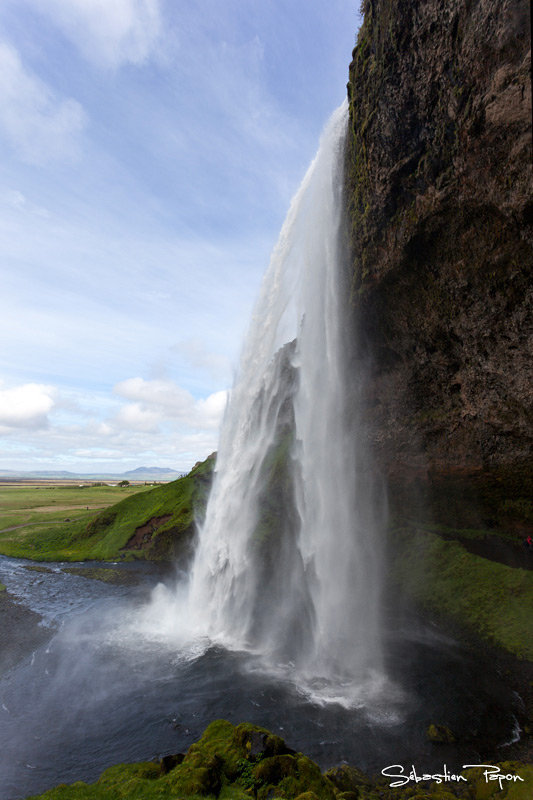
(286, 563)
(286, 570)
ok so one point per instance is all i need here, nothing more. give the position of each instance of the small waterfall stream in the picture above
(287, 561)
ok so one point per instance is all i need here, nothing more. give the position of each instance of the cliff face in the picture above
(440, 233)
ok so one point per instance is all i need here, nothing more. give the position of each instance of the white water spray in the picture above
(286, 563)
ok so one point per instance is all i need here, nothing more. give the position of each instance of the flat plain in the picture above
(27, 507)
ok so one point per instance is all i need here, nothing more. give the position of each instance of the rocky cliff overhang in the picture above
(439, 231)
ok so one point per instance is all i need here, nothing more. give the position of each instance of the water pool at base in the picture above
(103, 691)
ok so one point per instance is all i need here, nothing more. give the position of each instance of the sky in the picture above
(149, 150)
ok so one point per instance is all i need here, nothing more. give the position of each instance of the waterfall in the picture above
(286, 563)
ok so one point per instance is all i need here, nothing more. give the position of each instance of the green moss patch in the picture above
(493, 599)
(227, 762)
(440, 734)
(243, 762)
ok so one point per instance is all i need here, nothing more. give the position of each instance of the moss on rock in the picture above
(227, 762)
(346, 778)
(440, 734)
(230, 763)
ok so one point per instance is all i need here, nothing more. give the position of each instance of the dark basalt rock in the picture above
(439, 236)
(167, 763)
(260, 743)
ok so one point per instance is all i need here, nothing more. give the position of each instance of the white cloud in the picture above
(164, 395)
(39, 125)
(108, 32)
(160, 400)
(211, 410)
(26, 406)
(97, 452)
(138, 418)
(45, 427)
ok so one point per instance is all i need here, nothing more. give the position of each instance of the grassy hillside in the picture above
(157, 524)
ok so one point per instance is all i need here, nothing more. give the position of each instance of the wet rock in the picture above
(440, 734)
(272, 770)
(167, 763)
(291, 776)
(347, 779)
(260, 743)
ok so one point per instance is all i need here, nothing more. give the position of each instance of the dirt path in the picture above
(43, 522)
(27, 525)
(45, 509)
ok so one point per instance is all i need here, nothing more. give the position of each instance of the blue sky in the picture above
(149, 152)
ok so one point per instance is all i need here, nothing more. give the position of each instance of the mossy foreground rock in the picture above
(239, 762)
(227, 762)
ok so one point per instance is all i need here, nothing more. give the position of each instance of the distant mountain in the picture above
(141, 473)
(47, 473)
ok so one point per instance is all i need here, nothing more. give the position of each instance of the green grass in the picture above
(442, 576)
(463, 533)
(22, 505)
(102, 534)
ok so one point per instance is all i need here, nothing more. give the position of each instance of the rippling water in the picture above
(106, 689)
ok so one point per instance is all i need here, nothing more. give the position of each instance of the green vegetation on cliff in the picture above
(443, 577)
(156, 524)
(244, 761)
